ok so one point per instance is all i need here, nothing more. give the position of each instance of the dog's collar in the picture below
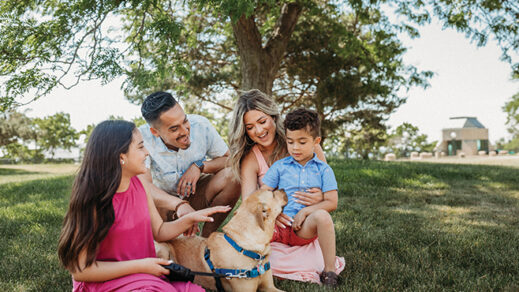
(235, 273)
(240, 249)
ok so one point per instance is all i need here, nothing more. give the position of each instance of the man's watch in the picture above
(200, 164)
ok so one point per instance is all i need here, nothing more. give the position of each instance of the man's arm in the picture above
(187, 183)
(216, 164)
(161, 198)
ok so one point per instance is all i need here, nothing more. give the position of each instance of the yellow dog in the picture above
(251, 229)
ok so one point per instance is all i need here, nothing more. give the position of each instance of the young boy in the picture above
(300, 171)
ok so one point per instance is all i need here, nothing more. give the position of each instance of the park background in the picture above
(401, 225)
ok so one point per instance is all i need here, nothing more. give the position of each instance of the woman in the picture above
(257, 139)
(107, 237)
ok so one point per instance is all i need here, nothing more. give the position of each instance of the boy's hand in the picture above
(283, 221)
(299, 219)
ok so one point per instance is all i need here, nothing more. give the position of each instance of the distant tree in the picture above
(116, 118)
(87, 131)
(511, 108)
(16, 132)
(406, 138)
(15, 127)
(365, 136)
(139, 121)
(55, 132)
(21, 153)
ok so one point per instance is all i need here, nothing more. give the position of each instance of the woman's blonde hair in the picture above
(239, 141)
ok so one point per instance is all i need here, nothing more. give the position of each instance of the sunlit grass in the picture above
(400, 226)
(20, 173)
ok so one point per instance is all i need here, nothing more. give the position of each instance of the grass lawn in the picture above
(400, 226)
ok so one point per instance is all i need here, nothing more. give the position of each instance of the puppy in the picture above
(251, 228)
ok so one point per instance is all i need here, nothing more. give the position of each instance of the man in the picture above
(180, 178)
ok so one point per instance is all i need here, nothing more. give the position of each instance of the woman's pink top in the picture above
(130, 238)
(262, 164)
(300, 263)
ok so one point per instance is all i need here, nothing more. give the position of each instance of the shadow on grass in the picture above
(12, 171)
(30, 221)
(34, 191)
(404, 226)
(399, 226)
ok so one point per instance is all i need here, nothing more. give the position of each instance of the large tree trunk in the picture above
(259, 65)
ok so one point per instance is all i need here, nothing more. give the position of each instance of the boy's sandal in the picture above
(329, 279)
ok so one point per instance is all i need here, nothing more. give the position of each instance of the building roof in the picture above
(464, 122)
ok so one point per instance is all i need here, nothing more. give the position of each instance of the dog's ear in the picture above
(281, 194)
(261, 214)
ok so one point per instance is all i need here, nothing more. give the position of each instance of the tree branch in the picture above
(214, 102)
(286, 23)
(247, 34)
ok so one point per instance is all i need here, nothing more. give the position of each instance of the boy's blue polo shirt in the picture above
(291, 176)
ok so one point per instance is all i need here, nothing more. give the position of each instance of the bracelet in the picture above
(180, 204)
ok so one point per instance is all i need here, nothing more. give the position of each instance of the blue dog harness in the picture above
(237, 273)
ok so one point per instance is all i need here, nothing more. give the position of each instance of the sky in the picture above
(468, 81)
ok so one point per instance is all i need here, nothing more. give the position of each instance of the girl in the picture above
(107, 237)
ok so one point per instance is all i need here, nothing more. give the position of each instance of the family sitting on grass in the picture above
(159, 181)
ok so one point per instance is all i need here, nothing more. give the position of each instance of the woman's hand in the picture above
(283, 221)
(312, 196)
(153, 266)
(204, 214)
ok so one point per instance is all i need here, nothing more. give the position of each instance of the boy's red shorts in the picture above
(288, 236)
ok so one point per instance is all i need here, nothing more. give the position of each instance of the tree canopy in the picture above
(343, 58)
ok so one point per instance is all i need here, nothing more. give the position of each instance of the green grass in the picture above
(400, 226)
(31, 213)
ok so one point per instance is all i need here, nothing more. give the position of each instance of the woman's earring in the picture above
(122, 162)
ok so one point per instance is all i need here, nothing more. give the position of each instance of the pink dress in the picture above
(129, 238)
(300, 263)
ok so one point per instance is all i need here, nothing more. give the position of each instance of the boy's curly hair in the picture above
(303, 118)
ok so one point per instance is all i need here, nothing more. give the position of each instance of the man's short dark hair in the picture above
(304, 119)
(155, 104)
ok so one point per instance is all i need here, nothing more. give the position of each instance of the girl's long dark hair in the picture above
(91, 214)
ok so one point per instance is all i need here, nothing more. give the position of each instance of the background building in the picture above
(465, 134)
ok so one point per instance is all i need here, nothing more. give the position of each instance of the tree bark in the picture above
(260, 64)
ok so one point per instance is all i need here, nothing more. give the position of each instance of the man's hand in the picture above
(185, 209)
(187, 183)
(299, 219)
